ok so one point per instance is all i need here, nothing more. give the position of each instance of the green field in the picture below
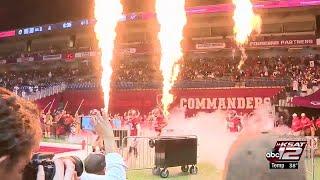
(206, 172)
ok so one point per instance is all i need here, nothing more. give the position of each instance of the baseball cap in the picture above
(247, 159)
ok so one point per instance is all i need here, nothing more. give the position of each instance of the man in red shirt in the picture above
(296, 125)
(234, 122)
(135, 130)
(307, 125)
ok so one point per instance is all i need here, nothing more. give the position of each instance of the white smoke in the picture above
(214, 139)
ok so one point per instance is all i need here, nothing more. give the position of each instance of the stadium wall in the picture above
(193, 100)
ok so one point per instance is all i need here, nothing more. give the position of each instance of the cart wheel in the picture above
(193, 169)
(156, 171)
(164, 173)
(185, 168)
(151, 143)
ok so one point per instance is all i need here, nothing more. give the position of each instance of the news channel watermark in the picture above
(286, 154)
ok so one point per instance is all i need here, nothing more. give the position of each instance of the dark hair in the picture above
(95, 163)
(19, 126)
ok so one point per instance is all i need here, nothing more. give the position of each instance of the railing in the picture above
(47, 92)
(259, 82)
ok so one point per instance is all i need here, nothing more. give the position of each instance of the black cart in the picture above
(173, 152)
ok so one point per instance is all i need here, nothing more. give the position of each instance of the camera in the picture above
(31, 170)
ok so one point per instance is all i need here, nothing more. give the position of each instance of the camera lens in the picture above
(31, 170)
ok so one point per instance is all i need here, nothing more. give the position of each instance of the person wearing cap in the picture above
(307, 125)
(247, 160)
(296, 125)
(115, 168)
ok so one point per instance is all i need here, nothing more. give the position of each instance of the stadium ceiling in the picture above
(17, 13)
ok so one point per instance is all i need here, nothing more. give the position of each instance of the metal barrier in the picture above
(138, 154)
(311, 166)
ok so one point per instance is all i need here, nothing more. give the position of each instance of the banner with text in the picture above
(25, 59)
(52, 57)
(193, 100)
(283, 42)
(206, 46)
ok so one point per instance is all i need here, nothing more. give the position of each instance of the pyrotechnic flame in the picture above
(107, 14)
(245, 22)
(172, 19)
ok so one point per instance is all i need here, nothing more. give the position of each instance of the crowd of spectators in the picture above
(254, 67)
(32, 80)
(302, 73)
(135, 70)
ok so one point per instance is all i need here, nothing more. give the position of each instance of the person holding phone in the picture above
(115, 166)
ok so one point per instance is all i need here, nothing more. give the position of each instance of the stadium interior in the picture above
(59, 64)
(210, 57)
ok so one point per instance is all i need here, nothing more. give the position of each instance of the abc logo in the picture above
(272, 155)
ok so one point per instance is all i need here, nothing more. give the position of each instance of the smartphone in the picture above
(87, 123)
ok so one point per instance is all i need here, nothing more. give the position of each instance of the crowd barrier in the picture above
(312, 167)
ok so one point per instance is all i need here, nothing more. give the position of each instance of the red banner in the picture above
(194, 100)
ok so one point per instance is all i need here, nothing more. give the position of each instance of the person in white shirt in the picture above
(295, 85)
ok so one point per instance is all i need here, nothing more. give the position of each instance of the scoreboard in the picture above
(54, 27)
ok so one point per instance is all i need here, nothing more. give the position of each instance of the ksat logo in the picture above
(285, 151)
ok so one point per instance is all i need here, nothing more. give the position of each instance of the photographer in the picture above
(115, 167)
(20, 134)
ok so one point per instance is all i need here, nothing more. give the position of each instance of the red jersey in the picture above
(296, 124)
(133, 127)
(160, 123)
(234, 124)
(306, 123)
(317, 123)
